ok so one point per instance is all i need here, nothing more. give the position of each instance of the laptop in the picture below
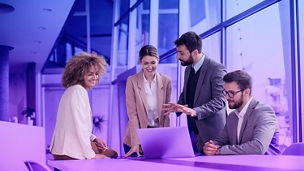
(167, 142)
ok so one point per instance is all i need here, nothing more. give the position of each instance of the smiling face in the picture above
(91, 77)
(149, 65)
(184, 55)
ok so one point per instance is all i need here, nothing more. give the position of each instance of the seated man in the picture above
(251, 128)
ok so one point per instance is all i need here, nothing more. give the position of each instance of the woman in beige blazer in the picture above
(73, 136)
(146, 92)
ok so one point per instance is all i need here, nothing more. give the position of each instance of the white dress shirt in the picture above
(198, 65)
(240, 115)
(151, 95)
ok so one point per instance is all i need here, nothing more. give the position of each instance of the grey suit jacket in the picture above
(209, 101)
(258, 132)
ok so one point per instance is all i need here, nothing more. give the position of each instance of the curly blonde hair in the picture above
(79, 65)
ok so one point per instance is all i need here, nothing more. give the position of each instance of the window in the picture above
(256, 45)
(167, 27)
(201, 15)
(211, 47)
(301, 45)
(142, 25)
(124, 7)
(235, 7)
(122, 53)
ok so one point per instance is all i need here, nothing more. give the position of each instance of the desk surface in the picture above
(235, 162)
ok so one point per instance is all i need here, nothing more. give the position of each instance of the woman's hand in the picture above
(100, 144)
(134, 149)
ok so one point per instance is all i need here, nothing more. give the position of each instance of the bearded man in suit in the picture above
(202, 98)
(251, 128)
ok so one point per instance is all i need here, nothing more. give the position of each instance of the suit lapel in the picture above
(203, 70)
(160, 94)
(141, 87)
(250, 108)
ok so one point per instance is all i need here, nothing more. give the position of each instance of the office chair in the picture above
(33, 166)
(296, 149)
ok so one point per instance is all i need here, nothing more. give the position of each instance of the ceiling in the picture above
(32, 29)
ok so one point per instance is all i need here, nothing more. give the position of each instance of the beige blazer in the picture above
(136, 102)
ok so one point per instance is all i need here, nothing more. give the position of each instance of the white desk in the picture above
(20, 143)
(237, 162)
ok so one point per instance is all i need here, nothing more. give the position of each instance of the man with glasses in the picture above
(202, 98)
(251, 128)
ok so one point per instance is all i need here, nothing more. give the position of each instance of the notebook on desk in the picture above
(168, 142)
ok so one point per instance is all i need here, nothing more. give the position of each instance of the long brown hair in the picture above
(79, 65)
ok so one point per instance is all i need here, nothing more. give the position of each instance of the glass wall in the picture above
(100, 30)
(167, 28)
(142, 26)
(123, 7)
(301, 54)
(211, 46)
(255, 45)
(235, 7)
(200, 15)
(123, 34)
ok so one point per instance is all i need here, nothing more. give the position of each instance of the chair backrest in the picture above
(33, 166)
(295, 149)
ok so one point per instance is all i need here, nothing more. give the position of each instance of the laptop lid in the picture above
(167, 142)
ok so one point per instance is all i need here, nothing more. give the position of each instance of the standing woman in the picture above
(73, 131)
(146, 92)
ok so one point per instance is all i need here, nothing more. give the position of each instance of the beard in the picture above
(187, 62)
(237, 104)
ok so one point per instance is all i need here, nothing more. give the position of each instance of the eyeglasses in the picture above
(231, 93)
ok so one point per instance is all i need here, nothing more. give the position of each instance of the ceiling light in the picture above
(47, 9)
(42, 28)
(6, 8)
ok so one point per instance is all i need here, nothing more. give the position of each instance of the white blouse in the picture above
(73, 130)
(151, 95)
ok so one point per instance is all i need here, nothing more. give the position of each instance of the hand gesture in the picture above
(172, 107)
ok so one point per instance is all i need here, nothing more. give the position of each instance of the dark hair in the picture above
(242, 78)
(79, 65)
(148, 50)
(191, 40)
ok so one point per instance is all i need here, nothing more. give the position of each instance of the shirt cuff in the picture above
(93, 137)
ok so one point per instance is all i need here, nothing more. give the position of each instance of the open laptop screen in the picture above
(168, 142)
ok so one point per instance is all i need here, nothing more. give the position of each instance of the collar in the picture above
(244, 110)
(146, 81)
(198, 65)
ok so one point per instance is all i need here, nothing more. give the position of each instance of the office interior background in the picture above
(264, 38)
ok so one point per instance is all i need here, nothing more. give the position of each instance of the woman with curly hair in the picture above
(73, 136)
